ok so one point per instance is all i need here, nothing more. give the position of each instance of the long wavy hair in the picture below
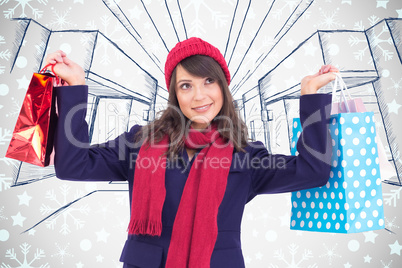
(173, 123)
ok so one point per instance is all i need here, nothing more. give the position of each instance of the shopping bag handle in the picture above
(51, 65)
(343, 88)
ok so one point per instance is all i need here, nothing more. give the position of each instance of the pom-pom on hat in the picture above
(190, 47)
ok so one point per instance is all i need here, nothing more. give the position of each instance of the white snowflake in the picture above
(4, 55)
(388, 265)
(390, 224)
(293, 263)
(62, 252)
(61, 19)
(277, 14)
(397, 86)
(392, 197)
(5, 136)
(331, 19)
(24, 263)
(378, 42)
(330, 253)
(2, 216)
(69, 212)
(23, 4)
(5, 182)
(16, 107)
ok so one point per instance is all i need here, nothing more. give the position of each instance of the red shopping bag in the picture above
(32, 139)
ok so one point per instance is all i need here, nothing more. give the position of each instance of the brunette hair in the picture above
(173, 123)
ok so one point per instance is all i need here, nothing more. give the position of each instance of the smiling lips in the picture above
(202, 108)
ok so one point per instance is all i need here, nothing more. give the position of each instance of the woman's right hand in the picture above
(66, 69)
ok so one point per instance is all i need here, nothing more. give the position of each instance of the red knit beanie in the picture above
(190, 47)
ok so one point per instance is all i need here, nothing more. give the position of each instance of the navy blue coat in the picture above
(252, 173)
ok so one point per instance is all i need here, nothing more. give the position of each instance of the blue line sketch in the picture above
(132, 92)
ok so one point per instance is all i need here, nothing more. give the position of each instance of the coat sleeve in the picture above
(281, 173)
(75, 159)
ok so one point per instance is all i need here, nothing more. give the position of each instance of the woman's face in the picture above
(200, 98)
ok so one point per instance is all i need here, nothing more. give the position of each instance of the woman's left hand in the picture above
(311, 83)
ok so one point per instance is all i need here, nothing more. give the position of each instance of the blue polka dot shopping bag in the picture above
(351, 201)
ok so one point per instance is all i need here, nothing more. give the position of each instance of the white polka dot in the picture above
(362, 194)
(362, 130)
(357, 205)
(343, 163)
(335, 163)
(347, 226)
(370, 223)
(307, 215)
(351, 195)
(385, 73)
(381, 222)
(368, 162)
(332, 195)
(331, 174)
(368, 182)
(363, 173)
(325, 216)
(379, 202)
(298, 134)
(345, 184)
(333, 143)
(363, 215)
(372, 129)
(298, 214)
(329, 205)
(355, 120)
(367, 119)
(340, 196)
(293, 144)
(294, 204)
(349, 152)
(295, 124)
(333, 122)
(367, 204)
(317, 194)
(368, 140)
(85, 244)
(377, 161)
(337, 206)
(328, 185)
(373, 171)
(356, 183)
(342, 120)
(348, 131)
(310, 224)
(298, 194)
(333, 216)
(373, 192)
(324, 195)
(350, 174)
(338, 153)
(312, 205)
(336, 183)
(293, 223)
(378, 181)
(356, 141)
(4, 235)
(337, 226)
(4, 89)
(321, 205)
(304, 204)
(363, 151)
(21, 62)
(308, 194)
(336, 132)
(328, 225)
(373, 150)
(343, 142)
(319, 225)
(352, 216)
(271, 235)
(341, 217)
(356, 163)
(375, 213)
(358, 225)
(316, 215)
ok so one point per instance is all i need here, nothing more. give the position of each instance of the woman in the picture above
(191, 171)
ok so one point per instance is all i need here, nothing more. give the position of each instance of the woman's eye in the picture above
(185, 86)
(209, 80)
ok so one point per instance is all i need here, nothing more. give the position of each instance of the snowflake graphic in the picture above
(397, 86)
(293, 263)
(104, 44)
(331, 20)
(2, 216)
(390, 224)
(23, 4)
(392, 197)
(330, 253)
(4, 55)
(16, 107)
(5, 182)
(5, 136)
(10, 254)
(388, 265)
(61, 19)
(68, 212)
(62, 252)
(378, 42)
(277, 14)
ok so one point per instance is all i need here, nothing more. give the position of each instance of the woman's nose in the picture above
(199, 92)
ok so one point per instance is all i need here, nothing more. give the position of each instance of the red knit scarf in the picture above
(195, 227)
